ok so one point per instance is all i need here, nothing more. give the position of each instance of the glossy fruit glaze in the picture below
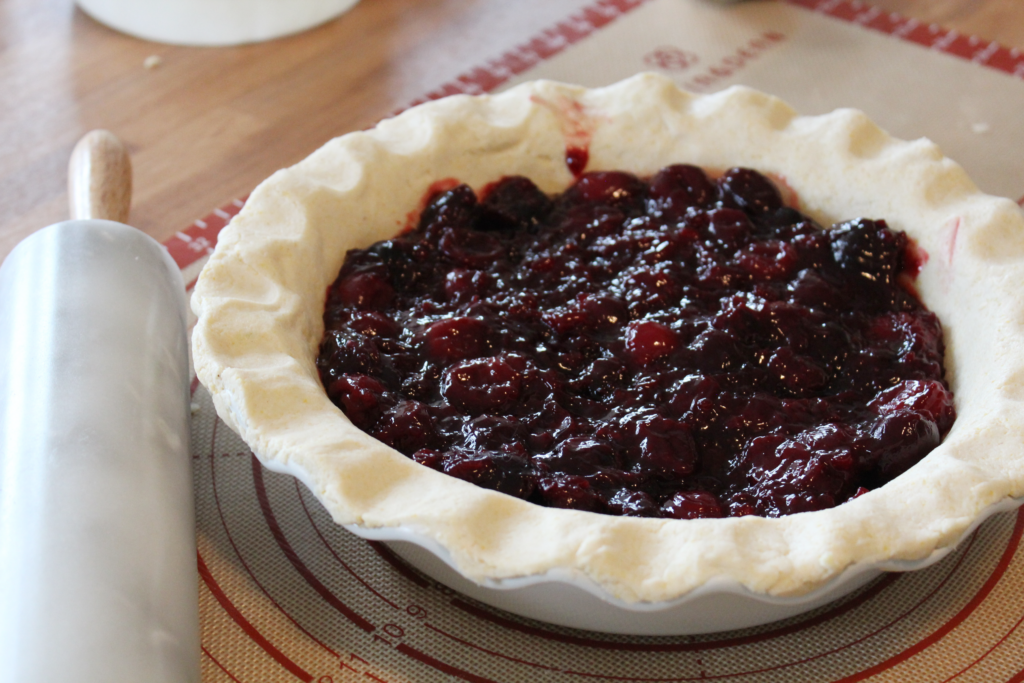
(674, 347)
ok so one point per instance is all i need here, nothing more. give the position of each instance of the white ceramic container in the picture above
(213, 22)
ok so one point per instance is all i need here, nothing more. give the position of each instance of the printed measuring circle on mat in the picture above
(289, 594)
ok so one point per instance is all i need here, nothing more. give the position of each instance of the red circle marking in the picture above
(440, 666)
(330, 549)
(247, 626)
(510, 658)
(231, 540)
(987, 652)
(1004, 563)
(293, 557)
(400, 566)
(222, 668)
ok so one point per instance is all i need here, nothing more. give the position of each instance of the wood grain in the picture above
(207, 125)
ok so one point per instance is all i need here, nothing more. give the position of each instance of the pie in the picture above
(260, 303)
(673, 347)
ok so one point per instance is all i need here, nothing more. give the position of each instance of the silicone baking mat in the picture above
(286, 594)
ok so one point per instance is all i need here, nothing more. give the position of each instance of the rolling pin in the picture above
(98, 577)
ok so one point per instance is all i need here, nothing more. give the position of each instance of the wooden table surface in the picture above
(208, 124)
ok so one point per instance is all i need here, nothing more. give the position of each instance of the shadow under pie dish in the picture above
(260, 305)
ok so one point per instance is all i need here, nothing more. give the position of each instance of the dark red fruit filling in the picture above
(680, 347)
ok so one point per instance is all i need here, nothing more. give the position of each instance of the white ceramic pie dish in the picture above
(260, 298)
(573, 600)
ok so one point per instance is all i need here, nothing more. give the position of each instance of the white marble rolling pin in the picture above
(97, 524)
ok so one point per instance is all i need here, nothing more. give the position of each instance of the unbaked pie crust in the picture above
(260, 304)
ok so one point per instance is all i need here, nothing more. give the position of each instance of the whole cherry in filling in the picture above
(677, 347)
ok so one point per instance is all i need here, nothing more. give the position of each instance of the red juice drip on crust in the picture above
(577, 126)
(789, 195)
(576, 159)
(914, 258)
(437, 187)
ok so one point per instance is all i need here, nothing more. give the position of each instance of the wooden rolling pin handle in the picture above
(100, 178)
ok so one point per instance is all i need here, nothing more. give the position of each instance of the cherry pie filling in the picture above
(675, 347)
